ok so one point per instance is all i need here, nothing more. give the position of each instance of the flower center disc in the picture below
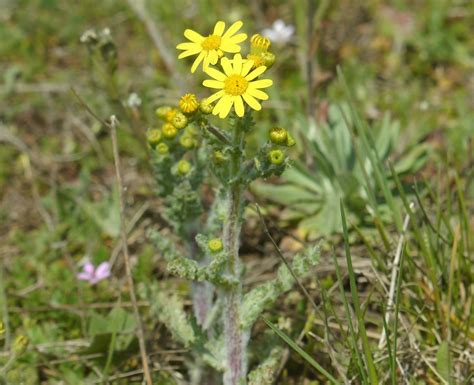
(235, 85)
(211, 42)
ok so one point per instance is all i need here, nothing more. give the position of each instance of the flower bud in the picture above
(290, 141)
(179, 120)
(162, 148)
(206, 107)
(153, 136)
(259, 44)
(161, 112)
(187, 141)
(268, 59)
(189, 103)
(184, 167)
(2, 329)
(170, 115)
(20, 344)
(257, 60)
(219, 157)
(215, 245)
(276, 157)
(169, 131)
(278, 135)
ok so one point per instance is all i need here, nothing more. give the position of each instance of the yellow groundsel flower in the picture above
(236, 83)
(189, 103)
(209, 49)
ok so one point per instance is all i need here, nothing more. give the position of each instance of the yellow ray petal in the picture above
(227, 102)
(188, 46)
(219, 28)
(239, 38)
(251, 101)
(193, 36)
(233, 29)
(257, 93)
(188, 53)
(256, 72)
(239, 106)
(214, 97)
(213, 83)
(226, 66)
(217, 108)
(230, 47)
(218, 75)
(263, 83)
(213, 57)
(237, 64)
(246, 67)
(198, 61)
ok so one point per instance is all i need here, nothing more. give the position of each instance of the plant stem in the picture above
(235, 338)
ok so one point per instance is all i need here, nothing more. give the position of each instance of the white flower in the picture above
(133, 100)
(279, 33)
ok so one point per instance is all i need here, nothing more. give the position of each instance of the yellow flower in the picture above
(259, 44)
(235, 84)
(215, 245)
(189, 103)
(209, 49)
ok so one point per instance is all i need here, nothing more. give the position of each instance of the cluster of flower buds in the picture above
(279, 137)
(259, 53)
(177, 133)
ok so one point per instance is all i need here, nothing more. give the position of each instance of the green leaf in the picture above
(443, 361)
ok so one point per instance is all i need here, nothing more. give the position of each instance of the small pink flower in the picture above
(94, 274)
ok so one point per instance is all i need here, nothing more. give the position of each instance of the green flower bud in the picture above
(219, 157)
(206, 107)
(162, 112)
(153, 136)
(215, 245)
(184, 167)
(2, 329)
(169, 131)
(191, 130)
(20, 344)
(162, 148)
(268, 59)
(187, 141)
(290, 142)
(179, 120)
(276, 157)
(278, 135)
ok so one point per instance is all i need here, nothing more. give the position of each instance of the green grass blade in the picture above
(357, 307)
(301, 352)
(353, 336)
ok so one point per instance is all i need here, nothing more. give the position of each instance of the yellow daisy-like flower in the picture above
(209, 49)
(237, 84)
(189, 103)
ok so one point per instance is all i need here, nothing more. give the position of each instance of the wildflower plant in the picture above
(199, 145)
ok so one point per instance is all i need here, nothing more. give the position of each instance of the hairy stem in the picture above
(235, 338)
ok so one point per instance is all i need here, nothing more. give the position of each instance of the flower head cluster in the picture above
(235, 78)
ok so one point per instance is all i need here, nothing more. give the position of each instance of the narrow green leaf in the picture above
(301, 352)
